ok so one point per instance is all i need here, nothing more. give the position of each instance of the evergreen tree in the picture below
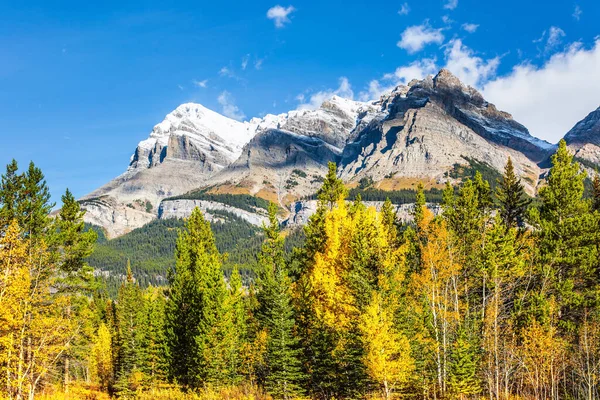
(419, 204)
(388, 218)
(34, 203)
(10, 192)
(566, 237)
(511, 197)
(276, 314)
(156, 365)
(131, 324)
(195, 307)
(333, 189)
(463, 366)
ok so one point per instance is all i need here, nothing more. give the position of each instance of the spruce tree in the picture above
(333, 189)
(131, 325)
(511, 197)
(566, 232)
(276, 314)
(10, 192)
(464, 361)
(195, 307)
(34, 203)
(76, 244)
(419, 204)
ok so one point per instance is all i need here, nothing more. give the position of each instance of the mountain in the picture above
(584, 139)
(290, 160)
(431, 130)
(182, 152)
(434, 125)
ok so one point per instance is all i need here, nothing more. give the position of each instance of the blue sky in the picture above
(81, 83)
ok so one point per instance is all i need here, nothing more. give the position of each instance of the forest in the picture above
(496, 297)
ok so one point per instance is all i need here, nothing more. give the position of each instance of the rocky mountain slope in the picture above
(426, 131)
(584, 139)
(433, 125)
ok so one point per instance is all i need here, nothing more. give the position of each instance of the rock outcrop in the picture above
(433, 125)
(184, 208)
(584, 140)
(424, 131)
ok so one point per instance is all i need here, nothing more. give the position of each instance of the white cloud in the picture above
(471, 28)
(180, 87)
(554, 37)
(201, 84)
(577, 13)
(258, 63)
(550, 99)
(451, 4)
(245, 60)
(228, 107)
(469, 68)
(404, 9)
(316, 99)
(447, 20)
(415, 38)
(280, 14)
(225, 71)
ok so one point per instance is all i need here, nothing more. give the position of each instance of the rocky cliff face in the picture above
(420, 132)
(287, 162)
(181, 153)
(431, 126)
(584, 139)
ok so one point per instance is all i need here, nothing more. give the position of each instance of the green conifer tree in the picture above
(511, 197)
(463, 380)
(333, 189)
(131, 325)
(277, 315)
(566, 236)
(10, 192)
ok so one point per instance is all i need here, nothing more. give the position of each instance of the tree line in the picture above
(495, 297)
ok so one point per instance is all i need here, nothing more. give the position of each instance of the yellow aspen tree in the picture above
(15, 282)
(543, 358)
(101, 366)
(437, 285)
(387, 352)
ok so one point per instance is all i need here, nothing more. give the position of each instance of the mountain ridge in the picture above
(417, 132)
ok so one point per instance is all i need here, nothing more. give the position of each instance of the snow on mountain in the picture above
(219, 137)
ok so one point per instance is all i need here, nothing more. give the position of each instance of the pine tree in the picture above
(75, 241)
(276, 315)
(195, 308)
(419, 204)
(34, 203)
(156, 365)
(388, 218)
(132, 324)
(511, 197)
(333, 189)
(566, 237)
(463, 380)
(283, 353)
(10, 192)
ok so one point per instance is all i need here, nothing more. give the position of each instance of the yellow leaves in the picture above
(101, 367)
(15, 280)
(543, 355)
(387, 352)
(35, 325)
